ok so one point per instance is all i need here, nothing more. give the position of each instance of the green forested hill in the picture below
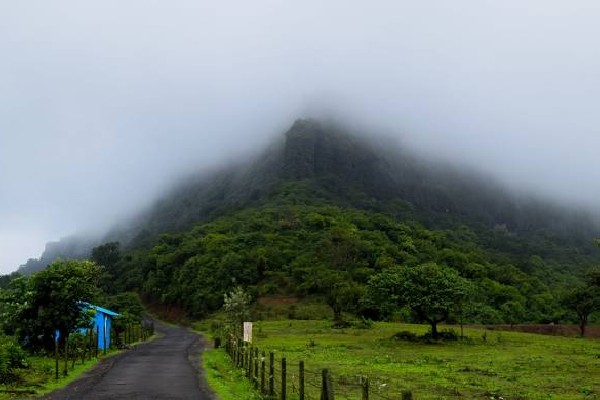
(321, 206)
(299, 249)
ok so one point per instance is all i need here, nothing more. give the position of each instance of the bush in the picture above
(405, 336)
(364, 323)
(12, 357)
(447, 335)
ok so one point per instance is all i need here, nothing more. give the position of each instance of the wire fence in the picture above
(274, 377)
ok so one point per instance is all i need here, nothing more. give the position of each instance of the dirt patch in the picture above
(545, 329)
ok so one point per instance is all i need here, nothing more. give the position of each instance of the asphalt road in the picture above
(165, 368)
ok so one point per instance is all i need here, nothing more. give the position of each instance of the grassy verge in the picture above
(39, 378)
(225, 380)
(489, 365)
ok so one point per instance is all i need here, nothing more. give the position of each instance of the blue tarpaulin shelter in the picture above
(102, 324)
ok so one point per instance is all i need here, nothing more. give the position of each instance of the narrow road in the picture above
(165, 368)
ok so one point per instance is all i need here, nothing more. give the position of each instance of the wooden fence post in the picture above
(56, 357)
(255, 374)
(326, 386)
(262, 373)
(407, 395)
(283, 378)
(365, 388)
(301, 381)
(250, 365)
(271, 374)
(244, 356)
(90, 342)
(97, 338)
(65, 373)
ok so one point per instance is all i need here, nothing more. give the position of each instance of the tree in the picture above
(513, 312)
(52, 300)
(343, 295)
(383, 293)
(236, 306)
(108, 255)
(583, 300)
(430, 291)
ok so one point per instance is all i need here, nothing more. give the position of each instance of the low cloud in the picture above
(103, 105)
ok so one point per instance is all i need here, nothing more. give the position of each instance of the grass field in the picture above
(490, 365)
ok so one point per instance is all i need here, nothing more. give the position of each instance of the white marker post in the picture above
(248, 332)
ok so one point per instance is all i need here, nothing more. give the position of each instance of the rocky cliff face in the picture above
(314, 151)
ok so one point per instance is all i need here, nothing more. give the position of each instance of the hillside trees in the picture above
(50, 300)
(290, 246)
(107, 255)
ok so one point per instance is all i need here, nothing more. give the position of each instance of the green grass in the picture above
(226, 381)
(510, 365)
(39, 378)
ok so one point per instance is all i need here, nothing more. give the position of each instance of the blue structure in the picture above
(101, 324)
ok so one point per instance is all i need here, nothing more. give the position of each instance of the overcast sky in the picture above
(103, 103)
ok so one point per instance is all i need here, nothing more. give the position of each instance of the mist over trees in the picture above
(322, 211)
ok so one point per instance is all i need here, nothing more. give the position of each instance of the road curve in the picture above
(165, 368)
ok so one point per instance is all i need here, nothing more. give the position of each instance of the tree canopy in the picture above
(431, 291)
(50, 300)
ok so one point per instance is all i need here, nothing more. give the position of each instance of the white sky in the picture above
(102, 104)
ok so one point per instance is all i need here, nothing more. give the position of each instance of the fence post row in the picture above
(247, 357)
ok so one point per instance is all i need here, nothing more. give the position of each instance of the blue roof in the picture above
(102, 310)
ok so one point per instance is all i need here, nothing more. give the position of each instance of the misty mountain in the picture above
(324, 163)
(349, 170)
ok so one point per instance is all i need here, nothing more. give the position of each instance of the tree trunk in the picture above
(582, 324)
(434, 332)
(337, 314)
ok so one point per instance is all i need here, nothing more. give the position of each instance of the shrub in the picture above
(363, 323)
(405, 336)
(446, 335)
(12, 357)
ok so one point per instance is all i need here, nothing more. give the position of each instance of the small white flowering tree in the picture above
(236, 306)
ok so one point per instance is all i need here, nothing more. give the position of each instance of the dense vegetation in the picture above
(313, 250)
(321, 213)
(35, 308)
